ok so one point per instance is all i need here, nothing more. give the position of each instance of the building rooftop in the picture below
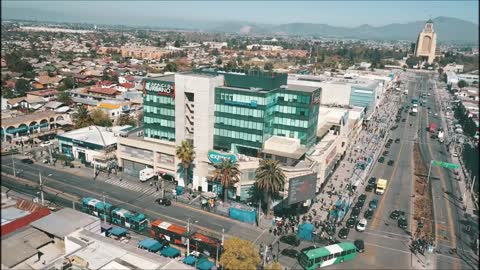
(164, 78)
(63, 222)
(93, 134)
(284, 147)
(301, 88)
(27, 118)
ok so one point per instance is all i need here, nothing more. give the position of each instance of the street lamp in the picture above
(41, 186)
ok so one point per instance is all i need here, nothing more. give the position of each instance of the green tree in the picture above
(412, 61)
(82, 117)
(219, 61)
(462, 83)
(270, 179)
(177, 43)
(227, 174)
(171, 67)
(22, 86)
(100, 118)
(64, 97)
(239, 254)
(186, 154)
(69, 82)
(268, 66)
(126, 119)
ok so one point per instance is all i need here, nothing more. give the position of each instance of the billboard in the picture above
(217, 157)
(302, 188)
(160, 87)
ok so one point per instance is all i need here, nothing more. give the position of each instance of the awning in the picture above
(205, 264)
(150, 244)
(117, 231)
(170, 252)
(190, 260)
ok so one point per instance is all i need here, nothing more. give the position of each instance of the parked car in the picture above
(362, 225)
(373, 204)
(385, 153)
(351, 222)
(359, 204)
(27, 160)
(397, 140)
(292, 253)
(368, 214)
(360, 245)
(372, 180)
(343, 233)
(165, 202)
(291, 240)
(390, 140)
(402, 223)
(381, 159)
(396, 214)
(45, 143)
(390, 163)
(355, 212)
(369, 187)
(363, 197)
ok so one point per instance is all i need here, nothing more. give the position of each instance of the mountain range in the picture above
(448, 29)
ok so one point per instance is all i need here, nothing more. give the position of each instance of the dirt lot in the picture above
(423, 208)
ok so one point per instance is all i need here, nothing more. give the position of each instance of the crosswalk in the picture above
(137, 186)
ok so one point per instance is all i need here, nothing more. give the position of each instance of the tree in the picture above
(440, 71)
(64, 97)
(126, 119)
(274, 266)
(240, 254)
(100, 118)
(270, 179)
(268, 66)
(68, 82)
(82, 117)
(140, 118)
(171, 67)
(219, 61)
(22, 86)
(412, 61)
(186, 154)
(227, 173)
(462, 83)
(177, 43)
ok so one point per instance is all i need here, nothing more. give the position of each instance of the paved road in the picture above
(137, 201)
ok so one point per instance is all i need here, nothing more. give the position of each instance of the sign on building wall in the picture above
(160, 87)
(217, 157)
(302, 188)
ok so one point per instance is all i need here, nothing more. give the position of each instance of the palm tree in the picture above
(82, 117)
(270, 179)
(186, 154)
(227, 173)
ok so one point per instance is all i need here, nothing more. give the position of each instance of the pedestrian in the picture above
(157, 189)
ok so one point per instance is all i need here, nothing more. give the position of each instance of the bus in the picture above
(381, 186)
(205, 244)
(135, 221)
(328, 255)
(173, 233)
(97, 208)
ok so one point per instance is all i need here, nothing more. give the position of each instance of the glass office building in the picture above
(159, 108)
(255, 105)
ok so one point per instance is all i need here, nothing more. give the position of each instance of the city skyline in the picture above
(342, 13)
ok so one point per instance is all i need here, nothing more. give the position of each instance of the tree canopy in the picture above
(100, 118)
(239, 254)
(462, 84)
(126, 119)
(226, 173)
(268, 66)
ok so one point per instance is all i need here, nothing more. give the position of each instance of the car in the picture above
(397, 140)
(436, 114)
(381, 159)
(164, 201)
(372, 180)
(359, 204)
(355, 212)
(385, 153)
(402, 223)
(360, 245)
(397, 120)
(351, 222)
(373, 204)
(390, 140)
(45, 143)
(396, 214)
(403, 120)
(387, 145)
(363, 197)
(292, 253)
(362, 225)
(369, 187)
(455, 154)
(343, 233)
(390, 163)
(429, 93)
(291, 240)
(26, 160)
(368, 214)
(428, 108)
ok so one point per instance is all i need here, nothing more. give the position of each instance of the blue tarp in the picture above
(170, 252)
(245, 215)
(179, 190)
(190, 260)
(205, 264)
(150, 244)
(305, 231)
(117, 231)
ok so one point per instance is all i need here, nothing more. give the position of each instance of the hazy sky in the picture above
(337, 13)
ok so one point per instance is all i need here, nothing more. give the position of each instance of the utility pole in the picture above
(13, 165)
(188, 236)
(223, 236)
(50, 154)
(104, 208)
(41, 187)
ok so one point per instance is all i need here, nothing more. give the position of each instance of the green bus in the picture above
(328, 255)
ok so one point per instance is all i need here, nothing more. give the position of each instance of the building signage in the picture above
(217, 157)
(162, 88)
(302, 188)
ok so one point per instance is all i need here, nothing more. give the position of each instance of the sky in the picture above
(335, 13)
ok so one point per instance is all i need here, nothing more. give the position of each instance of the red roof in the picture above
(103, 91)
(127, 85)
(105, 83)
(44, 93)
(129, 78)
(205, 239)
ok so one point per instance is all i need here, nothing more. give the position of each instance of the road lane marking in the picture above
(390, 237)
(258, 237)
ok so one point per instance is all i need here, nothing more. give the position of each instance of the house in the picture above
(47, 94)
(114, 108)
(48, 81)
(32, 102)
(453, 67)
(125, 86)
(37, 86)
(104, 92)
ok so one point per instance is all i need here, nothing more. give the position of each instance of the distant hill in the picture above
(448, 29)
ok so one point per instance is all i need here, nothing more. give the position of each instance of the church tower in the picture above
(427, 43)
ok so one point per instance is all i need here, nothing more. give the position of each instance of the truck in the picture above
(441, 136)
(432, 127)
(381, 186)
(147, 174)
(414, 111)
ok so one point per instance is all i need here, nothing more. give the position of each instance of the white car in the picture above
(428, 94)
(455, 154)
(46, 143)
(362, 224)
